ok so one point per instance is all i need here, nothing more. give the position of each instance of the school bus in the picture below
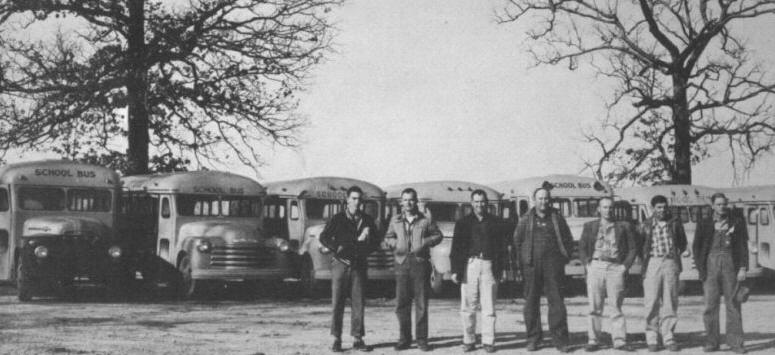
(444, 202)
(690, 203)
(297, 210)
(57, 228)
(206, 226)
(757, 204)
(575, 197)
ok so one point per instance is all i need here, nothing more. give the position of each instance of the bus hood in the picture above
(57, 226)
(229, 232)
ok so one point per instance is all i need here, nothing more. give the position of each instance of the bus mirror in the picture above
(3, 240)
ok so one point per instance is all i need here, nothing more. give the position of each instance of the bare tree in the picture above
(206, 79)
(684, 78)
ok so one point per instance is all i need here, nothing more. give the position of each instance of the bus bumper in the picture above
(242, 274)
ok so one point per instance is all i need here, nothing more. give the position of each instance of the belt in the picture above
(480, 256)
(603, 258)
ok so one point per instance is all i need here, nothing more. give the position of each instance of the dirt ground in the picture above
(270, 322)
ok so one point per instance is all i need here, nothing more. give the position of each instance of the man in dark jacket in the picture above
(411, 235)
(664, 243)
(478, 257)
(543, 243)
(350, 235)
(607, 249)
(721, 255)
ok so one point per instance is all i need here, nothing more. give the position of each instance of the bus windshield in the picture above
(42, 198)
(562, 205)
(226, 206)
(444, 212)
(586, 207)
(88, 200)
(322, 209)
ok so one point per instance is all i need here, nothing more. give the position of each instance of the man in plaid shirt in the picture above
(665, 241)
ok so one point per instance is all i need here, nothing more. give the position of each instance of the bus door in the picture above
(759, 223)
(166, 229)
(7, 243)
(275, 222)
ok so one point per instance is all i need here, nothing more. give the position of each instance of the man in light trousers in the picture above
(607, 248)
(664, 243)
(478, 257)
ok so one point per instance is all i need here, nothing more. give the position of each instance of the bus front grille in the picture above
(381, 259)
(241, 255)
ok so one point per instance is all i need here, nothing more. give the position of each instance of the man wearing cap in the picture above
(607, 248)
(543, 242)
(350, 235)
(411, 235)
(478, 255)
(664, 243)
(721, 255)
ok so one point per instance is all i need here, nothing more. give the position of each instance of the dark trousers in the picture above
(412, 283)
(546, 274)
(347, 280)
(722, 277)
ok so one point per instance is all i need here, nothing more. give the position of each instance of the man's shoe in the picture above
(738, 350)
(622, 347)
(709, 348)
(337, 346)
(653, 348)
(591, 347)
(467, 348)
(402, 345)
(563, 348)
(673, 348)
(361, 345)
(424, 346)
(490, 348)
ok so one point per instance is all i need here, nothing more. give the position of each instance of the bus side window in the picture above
(165, 208)
(523, 207)
(752, 216)
(4, 205)
(294, 210)
(764, 217)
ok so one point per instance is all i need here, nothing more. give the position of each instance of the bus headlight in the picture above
(114, 252)
(204, 246)
(754, 250)
(282, 244)
(41, 252)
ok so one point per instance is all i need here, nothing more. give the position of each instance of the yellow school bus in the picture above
(297, 210)
(757, 205)
(204, 224)
(575, 197)
(57, 227)
(444, 202)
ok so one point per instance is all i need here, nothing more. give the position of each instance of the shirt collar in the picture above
(352, 217)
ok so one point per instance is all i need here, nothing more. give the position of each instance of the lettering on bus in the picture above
(571, 185)
(327, 194)
(219, 190)
(65, 173)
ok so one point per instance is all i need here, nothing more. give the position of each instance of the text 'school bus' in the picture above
(204, 224)
(690, 203)
(298, 210)
(57, 230)
(575, 197)
(757, 204)
(444, 202)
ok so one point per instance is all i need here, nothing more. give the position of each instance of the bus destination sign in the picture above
(219, 190)
(66, 173)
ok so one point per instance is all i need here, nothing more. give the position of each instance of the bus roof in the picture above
(323, 187)
(195, 182)
(58, 173)
(562, 185)
(443, 191)
(760, 193)
(688, 195)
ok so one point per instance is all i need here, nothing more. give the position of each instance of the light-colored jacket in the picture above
(424, 234)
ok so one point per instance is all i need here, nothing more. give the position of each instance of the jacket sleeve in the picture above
(327, 237)
(680, 237)
(742, 229)
(433, 235)
(697, 246)
(390, 241)
(566, 236)
(632, 245)
(585, 255)
(518, 239)
(456, 251)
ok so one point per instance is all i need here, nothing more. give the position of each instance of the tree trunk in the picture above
(137, 85)
(682, 165)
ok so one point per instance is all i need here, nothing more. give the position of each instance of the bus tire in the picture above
(188, 286)
(22, 286)
(437, 282)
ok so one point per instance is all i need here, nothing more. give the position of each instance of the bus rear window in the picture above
(41, 198)
(90, 200)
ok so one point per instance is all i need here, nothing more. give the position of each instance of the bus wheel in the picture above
(25, 291)
(437, 282)
(309, 285)
(187, 287)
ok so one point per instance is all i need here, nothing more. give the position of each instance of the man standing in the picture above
(477, 256)
(607, 249)
(665, 241)
(411, 235)
(721, 254)
(350, 235)
(542, 241)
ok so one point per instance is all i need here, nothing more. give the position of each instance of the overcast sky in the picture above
(435, 89)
